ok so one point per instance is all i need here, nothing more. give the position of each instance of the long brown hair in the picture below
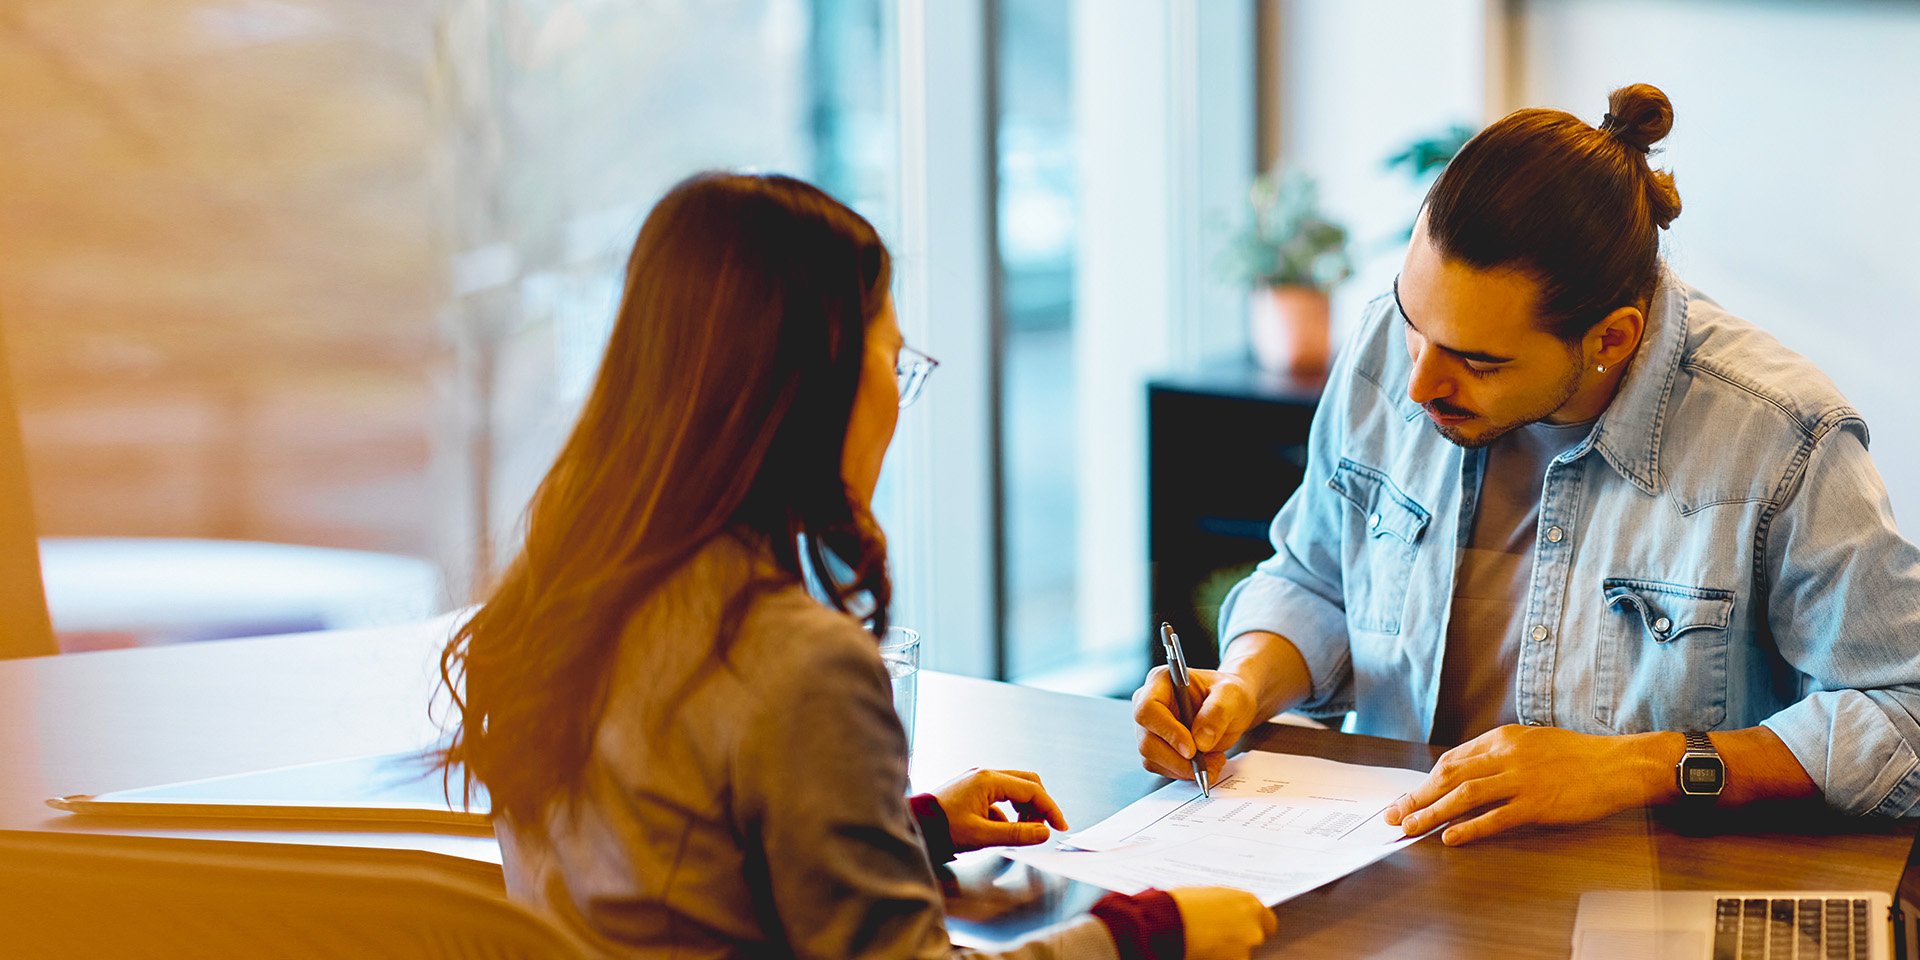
(1577, 208)
(721, 408)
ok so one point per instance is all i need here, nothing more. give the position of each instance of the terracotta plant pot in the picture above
(1292, 330)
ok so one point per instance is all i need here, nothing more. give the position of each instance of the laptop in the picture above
(1753, 924)
(1736, 925)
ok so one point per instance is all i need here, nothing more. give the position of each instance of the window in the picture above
(569, 123)
(412, 225)
(1036, 251)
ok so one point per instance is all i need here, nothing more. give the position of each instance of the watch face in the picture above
(1702, 776)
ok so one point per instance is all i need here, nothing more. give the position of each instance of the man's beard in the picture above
(1560, 394)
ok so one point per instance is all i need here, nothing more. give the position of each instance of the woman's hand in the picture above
(972, 802)
(1221, 923)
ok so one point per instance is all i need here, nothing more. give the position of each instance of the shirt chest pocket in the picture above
(1661, 663)
(1378, 560)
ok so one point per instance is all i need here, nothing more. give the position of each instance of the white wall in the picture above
(935, 495)
(1359, 79)
(1163, 119)
(1123, 292)
(1214, 133)
(1794, 146)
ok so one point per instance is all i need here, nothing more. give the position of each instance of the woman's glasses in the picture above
(910, 371)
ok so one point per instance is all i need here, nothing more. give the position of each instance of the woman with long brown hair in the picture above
(687, 753)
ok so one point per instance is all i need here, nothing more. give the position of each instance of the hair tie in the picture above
(1613, 126)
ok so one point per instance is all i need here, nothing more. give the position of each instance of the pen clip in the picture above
(1176, 658)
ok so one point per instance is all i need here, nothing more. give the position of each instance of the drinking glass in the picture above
(900, 650)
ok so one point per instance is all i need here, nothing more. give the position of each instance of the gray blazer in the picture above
(764, 813)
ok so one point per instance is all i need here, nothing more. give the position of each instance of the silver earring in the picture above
(1601, 368)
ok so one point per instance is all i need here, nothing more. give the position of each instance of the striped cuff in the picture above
(1145, 926)
(934, 831)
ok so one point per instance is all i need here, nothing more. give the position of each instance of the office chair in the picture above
(25, 630)
(95, 895)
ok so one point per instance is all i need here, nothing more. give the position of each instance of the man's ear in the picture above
(1614, 339)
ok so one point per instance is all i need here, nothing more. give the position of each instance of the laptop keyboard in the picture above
(1783, 929)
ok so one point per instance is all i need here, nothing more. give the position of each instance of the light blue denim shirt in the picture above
(1718, 553)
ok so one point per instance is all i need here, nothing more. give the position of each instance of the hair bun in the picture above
(1638, 116)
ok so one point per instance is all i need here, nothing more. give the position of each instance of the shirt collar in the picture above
(1628, 433)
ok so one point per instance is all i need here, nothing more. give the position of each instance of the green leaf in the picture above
(1286, 241)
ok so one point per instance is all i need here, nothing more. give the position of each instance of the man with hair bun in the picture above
(1565, 514)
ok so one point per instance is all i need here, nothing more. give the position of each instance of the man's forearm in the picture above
(1272, 666)
(1759, 767)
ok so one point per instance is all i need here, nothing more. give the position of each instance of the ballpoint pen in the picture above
(1177, 670)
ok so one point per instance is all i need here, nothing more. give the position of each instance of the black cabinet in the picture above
(1226, 446)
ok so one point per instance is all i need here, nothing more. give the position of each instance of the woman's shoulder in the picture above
(713, 656)
(771, 625)
(788, 630)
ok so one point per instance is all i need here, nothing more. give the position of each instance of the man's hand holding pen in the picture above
(1226, 709)
(1183, 698)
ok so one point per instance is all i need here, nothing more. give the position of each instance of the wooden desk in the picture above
(87, 723)
(1514, 896)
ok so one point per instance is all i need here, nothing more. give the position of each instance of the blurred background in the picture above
(300, 296)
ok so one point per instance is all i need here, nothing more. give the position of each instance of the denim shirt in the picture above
(1718, 553)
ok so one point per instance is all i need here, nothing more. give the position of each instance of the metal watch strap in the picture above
(1698, 744)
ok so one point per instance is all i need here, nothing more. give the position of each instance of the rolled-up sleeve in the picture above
(1844, 608)
(1298, 593)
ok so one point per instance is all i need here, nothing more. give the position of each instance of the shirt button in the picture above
(1555, 534)
(1539, 634)
(1373, 522)
(1662, 625)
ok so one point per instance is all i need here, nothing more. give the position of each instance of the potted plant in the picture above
(1290, 255)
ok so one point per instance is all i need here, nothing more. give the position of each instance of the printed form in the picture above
(1276, 826)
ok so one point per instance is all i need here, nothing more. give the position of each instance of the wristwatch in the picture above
(1701, 772)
